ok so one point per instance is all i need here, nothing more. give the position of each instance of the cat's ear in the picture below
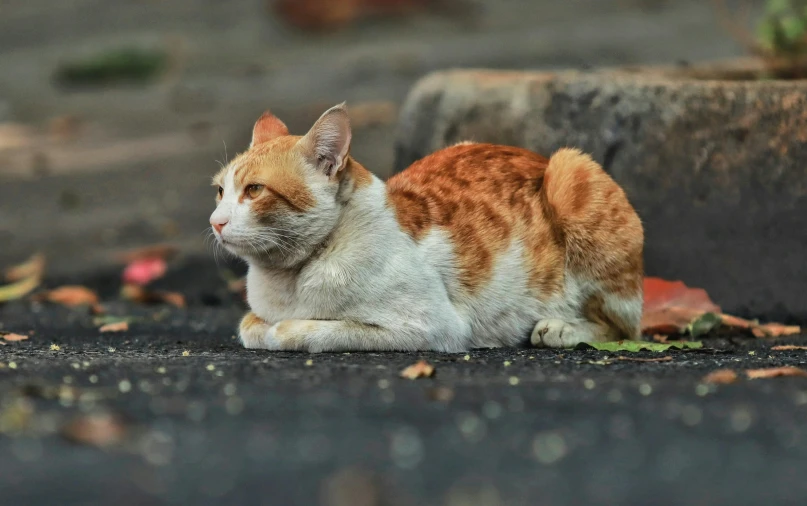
(267, 128)
(327, 144)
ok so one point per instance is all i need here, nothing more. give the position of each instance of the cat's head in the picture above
(279, 200)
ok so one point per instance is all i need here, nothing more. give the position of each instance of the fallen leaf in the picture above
(317, 14)
(774, 372)
(634, 346)
(115, 327)
(704, 324)
(100, 430)
(164, 251)
(145, 270)
(775, 330)
(13, 337)
(420, 369)
(720, 377)
(107, 319)
(71, 296)
(788, 347)
(139, 294)
(670, 306)
(25, 278)
(34, 266)
(660, 359)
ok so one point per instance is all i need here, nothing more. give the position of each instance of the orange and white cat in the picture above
(474, 246)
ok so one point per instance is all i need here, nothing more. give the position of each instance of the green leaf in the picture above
(19, 289)
(107, 319)
(704, 324)
(792, 28)
(634, 346)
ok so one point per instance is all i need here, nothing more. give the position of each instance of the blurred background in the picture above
(114, 114)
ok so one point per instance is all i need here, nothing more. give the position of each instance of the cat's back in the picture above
(458, 182)
(478, 198)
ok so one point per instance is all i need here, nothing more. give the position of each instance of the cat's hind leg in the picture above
(604, 317)
(603, 239)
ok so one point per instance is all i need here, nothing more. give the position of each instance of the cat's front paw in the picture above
(288, 335)
(253, 332)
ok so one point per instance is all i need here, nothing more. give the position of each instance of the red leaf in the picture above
(145, 270)
(669, 306)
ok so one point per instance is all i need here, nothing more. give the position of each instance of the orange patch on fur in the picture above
(483, 195)
(603, 235)
(563, 210)
(361, 177)
(251, 320)
(276, 165)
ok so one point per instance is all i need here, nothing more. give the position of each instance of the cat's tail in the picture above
(602, 234)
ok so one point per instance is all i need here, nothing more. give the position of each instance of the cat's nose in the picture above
(218, 226)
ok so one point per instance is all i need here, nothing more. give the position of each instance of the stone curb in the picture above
(715, 168)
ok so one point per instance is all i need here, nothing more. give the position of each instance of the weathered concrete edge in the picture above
(744, 248)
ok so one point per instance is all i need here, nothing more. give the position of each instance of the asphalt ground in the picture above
(174, 411)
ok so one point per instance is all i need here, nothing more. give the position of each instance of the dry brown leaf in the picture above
(720, 377)
(96, 430)
(33, 267)
(115, 327)
(141, 295)
(788, 347)
(660, 359)
(420, 369)
(71, 296)
(671, 306)
(13, 337)
(774, 372)
(775, 330)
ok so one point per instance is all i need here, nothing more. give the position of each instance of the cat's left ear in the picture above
(267, 128)
(327, 144)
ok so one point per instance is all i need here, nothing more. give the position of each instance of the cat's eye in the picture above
(221, 191)
(254, 190)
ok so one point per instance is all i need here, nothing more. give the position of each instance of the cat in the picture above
(473, 246)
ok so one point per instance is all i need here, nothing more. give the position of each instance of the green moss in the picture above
(113, 66)
(783, 28)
